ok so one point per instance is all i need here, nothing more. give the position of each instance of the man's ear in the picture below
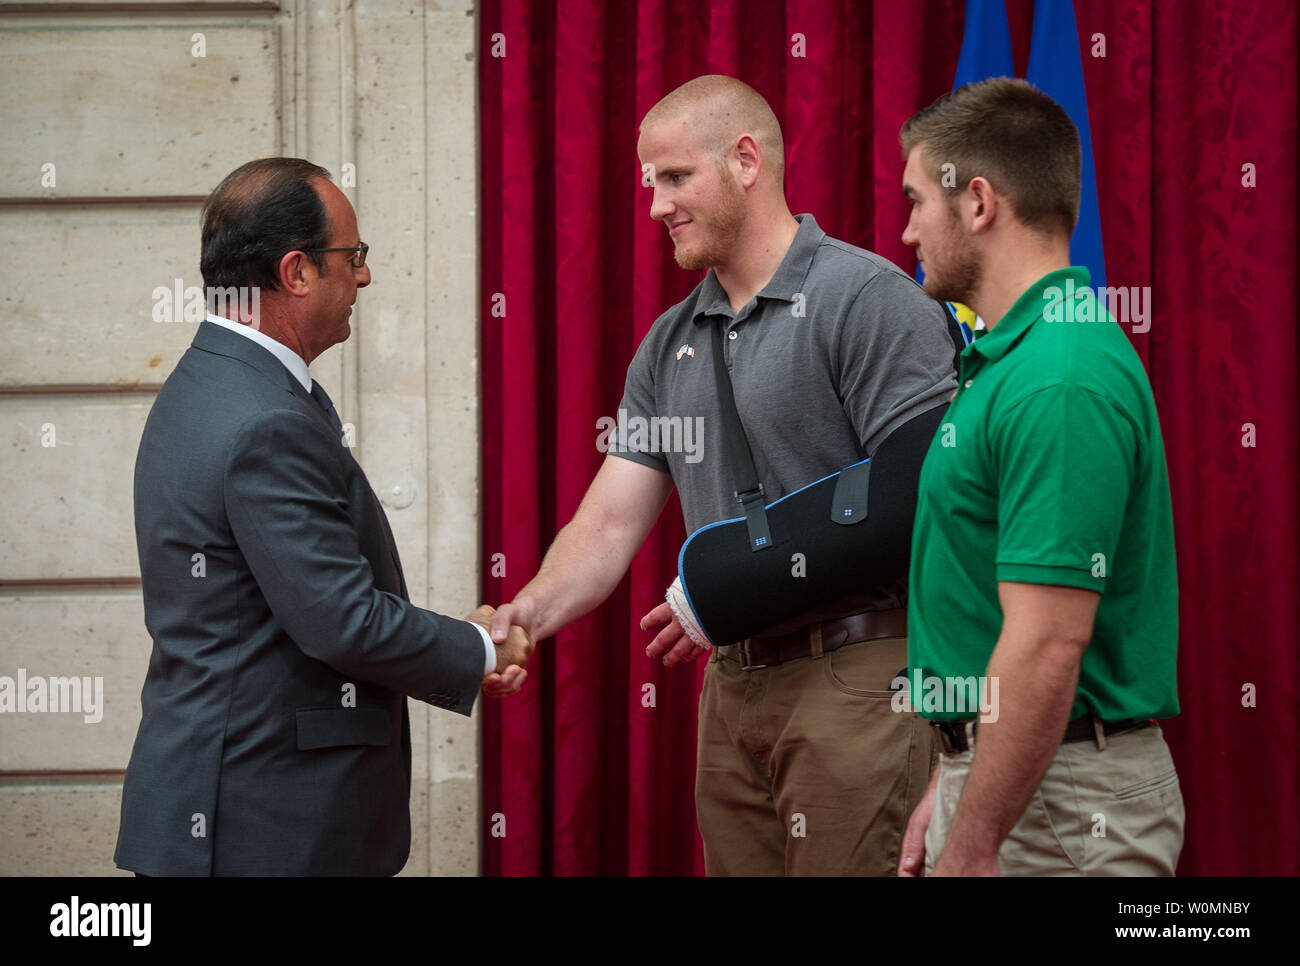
(294, 267)
(980, 204)
(750, 156)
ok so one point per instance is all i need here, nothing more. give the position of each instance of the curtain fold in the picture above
(590, 770)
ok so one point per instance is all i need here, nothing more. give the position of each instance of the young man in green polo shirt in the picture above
(1042, 571)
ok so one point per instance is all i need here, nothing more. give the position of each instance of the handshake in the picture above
(514, 629)
(514, 646)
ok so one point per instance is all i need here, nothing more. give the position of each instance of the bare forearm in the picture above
(1036, 683)
(591, 554)
(582, 568)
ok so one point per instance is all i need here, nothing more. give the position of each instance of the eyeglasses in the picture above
(358, 251)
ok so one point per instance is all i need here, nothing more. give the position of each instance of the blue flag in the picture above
(985, 44)
(1056, 69)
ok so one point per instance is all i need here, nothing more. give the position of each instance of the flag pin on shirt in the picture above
(685, 350)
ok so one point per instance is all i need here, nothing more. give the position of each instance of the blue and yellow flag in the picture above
(1056, 69)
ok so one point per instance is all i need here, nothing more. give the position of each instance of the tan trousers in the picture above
(1112, 812)
(804, 768)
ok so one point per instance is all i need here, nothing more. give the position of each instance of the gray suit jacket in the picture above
(275, 738)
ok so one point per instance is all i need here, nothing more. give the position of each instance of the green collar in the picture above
(995, 343)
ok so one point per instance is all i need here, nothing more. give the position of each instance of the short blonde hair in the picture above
(724, 108)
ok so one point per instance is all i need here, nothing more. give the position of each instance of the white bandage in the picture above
(676, 598)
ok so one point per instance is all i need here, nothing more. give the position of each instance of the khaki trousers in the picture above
(804, 768)
(1112, 812)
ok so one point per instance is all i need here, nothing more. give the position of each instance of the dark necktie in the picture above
(323, 400)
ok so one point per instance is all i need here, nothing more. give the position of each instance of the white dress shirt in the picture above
(297, 367)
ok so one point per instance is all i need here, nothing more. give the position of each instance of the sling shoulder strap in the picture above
(850, 502)
(735, 446)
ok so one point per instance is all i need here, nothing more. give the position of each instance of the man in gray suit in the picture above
(275, 738)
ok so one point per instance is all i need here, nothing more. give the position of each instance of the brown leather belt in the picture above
(952, 734)
(759, 652)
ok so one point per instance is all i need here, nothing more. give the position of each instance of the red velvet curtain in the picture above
(583, 774)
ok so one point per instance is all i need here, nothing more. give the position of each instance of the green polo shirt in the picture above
(1048, 469)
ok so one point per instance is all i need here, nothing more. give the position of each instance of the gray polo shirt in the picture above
(837, 350)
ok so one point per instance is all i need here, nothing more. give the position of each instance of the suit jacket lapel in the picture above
(215, 339)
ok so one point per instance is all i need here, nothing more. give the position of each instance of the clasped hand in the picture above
(512, 655)
(514, 642)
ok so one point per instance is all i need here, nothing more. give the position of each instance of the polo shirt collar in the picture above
(995, 343)
(787, 281)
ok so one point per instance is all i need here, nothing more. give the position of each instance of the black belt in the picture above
(760, 652)
(952, 734)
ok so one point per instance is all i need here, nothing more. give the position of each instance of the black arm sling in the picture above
(853, 528)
